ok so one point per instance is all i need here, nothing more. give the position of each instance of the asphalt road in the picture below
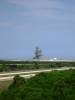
(28, 74)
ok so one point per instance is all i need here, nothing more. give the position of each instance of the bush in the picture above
(56, 85)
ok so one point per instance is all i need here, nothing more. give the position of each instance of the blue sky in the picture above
(25, 24)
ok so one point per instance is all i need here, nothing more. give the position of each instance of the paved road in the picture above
(11, 77)
(28, 74)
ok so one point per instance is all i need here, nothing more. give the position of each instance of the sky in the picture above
(48, 24)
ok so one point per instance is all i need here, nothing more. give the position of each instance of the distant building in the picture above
(38, 53)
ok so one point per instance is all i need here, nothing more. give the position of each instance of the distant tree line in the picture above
(33, 65)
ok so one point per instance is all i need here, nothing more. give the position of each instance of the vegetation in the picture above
(56, 85)
(4, 85)
(20, 65)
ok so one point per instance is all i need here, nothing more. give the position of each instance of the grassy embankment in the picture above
(56, 85)
(4, 85)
